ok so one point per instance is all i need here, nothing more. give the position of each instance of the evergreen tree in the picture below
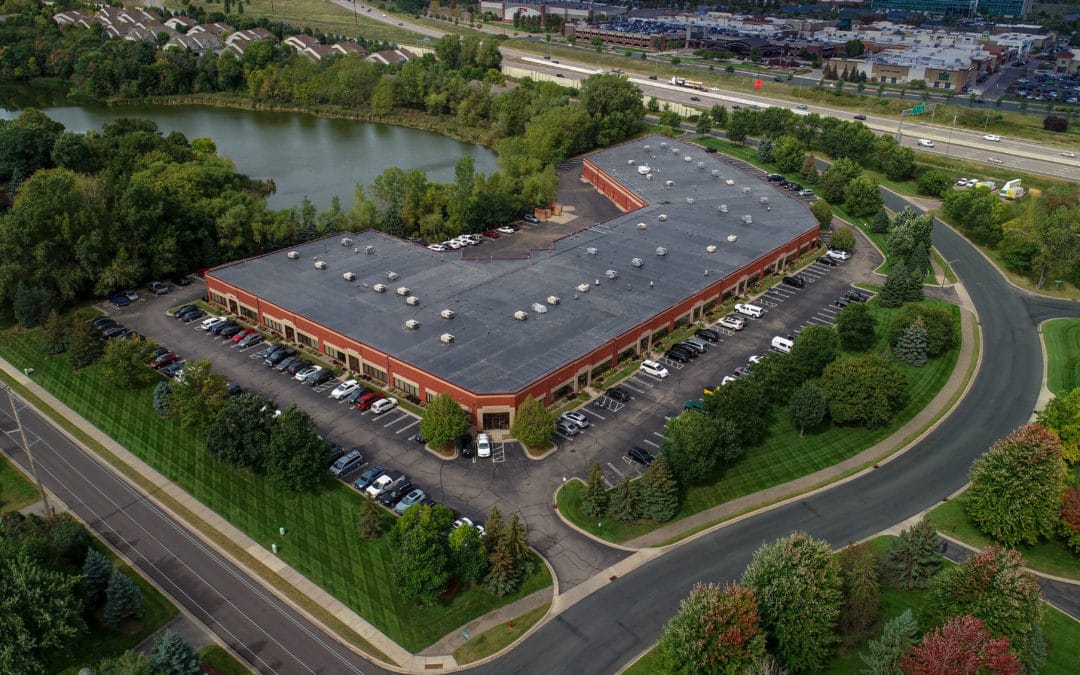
(883, 655)
(913, 560)
(123, 599)
(128, 663)
(895, 289)
(502, 577)
(162, 398)
(518, 545)
(371, 518)
(911, 348)
(809, 168)
(594, 503)
(881, 222)
(622, 506)
(97, 570)
(84, 345)
(493, 528)
(765, 150)
(54, 337)
(658, 493)
(173, 656)
(862, 594)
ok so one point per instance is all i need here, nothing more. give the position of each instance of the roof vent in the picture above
(731, 238)
(369, 249)
(663, 144)
(711, 248)
(520, 315)
(746, 190)
(637, 262)
(401, 290)
(660, 250)
(648, 176)
(688, 158)
(631, 162)
(641, 226)
(644, 169)
(662, 217)
(690, 201)
(611, 274)
(674, 151)
(648, 148)
(446, 339)
(447, 314)
(412, 324)
(729, 181)
(553, 300)
(392, 276)
(583, 288)
(320, 264)
(591, 250)
(293, 255)
(669, 183)
(539, 307)
(379, 288)
(701, 165)
(412, 300)
(346, 242)
(349, 276)
(763, 199)
(723, 208)
(747, 219)
(716, 173)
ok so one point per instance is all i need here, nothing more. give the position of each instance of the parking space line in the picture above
(394, 421)
(593, 413)
(657, 434)
(626, 383)
(616, 470)
(408, 426)
(821, 322)
(648, 442)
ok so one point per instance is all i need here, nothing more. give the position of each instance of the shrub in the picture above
(843, 239)
(865, 390)
(934, 182)
(1055, 123)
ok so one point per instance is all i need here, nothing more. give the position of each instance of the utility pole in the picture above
(26, 449)
(948, 145)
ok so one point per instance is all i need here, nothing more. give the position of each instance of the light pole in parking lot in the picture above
(26, 449)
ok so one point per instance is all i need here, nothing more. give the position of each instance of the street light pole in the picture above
(943, 275)
(948, 144)
(26, 449)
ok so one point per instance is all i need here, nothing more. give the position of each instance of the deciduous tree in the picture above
(658, 493)
(443, 421)
(594, 502)
(883, 656)
(468, 557)
(422, 553)
(715, 631)
(962, 646)
(295, 454)
(240, 433)
(1069, 518)
(799, 590)
(822, 212)
(173, 656)
(855, 326)
(1062, 416)
(807, 407)
(54, 337)
(123, 599)
(862, 196)
(844, 239)
(913, 559)
(934, 182)
(789, 155)
(864, 390)
(124, 362)
(689, 446)
(816, 347)
(533, 423)
(1016, 487)
(128, 663)
(199, 395)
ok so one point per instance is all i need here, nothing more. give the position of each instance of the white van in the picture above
(750, 310)
(782, 344)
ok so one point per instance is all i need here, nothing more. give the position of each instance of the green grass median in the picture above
(1062, 338)
(16, 490)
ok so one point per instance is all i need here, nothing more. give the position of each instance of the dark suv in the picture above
(465, 445)
(677, 355)
(795, 280)
(708, 334)
(774, 177)
(618, 394)
(640, 455)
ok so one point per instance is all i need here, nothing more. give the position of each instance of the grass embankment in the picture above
(16, 491)
(321, 543)
(222, 661)
(324, 16)
(1062, 338)
(784, 456)
(1061, 631)
(494, 639)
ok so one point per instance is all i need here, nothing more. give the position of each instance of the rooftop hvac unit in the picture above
(583, 288)
(520, 315)
(641, 226)
(648, 148)
(701, 165)
(412, 324)
(729, 181)
(690, 201)
(746, 190)
(688, 158)
(631, 162)
(711, 248)
(320, 264)
(591, 251)
(723, 208)
(716, 173)
(669, 183)
(644, 169)
(663, 144)
(412, 300)
(662, 217)
(763, 199)
(401, 290)
(539, 307)
(379, 288)
(349, 276)
(369, 249)
(346, 242)
(648, 176)
(552, 299)
(446, 339)
(293, 255)
(747, 219)
(674, 151)
(447, 314)
(660, 250)
(392, 276)
(611, 274)
(731, 238)
(637, 262)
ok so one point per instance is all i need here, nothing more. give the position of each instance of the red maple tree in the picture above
(962, 646)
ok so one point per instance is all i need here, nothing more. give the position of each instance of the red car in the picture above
(365, 401)
(243, 334)
(163, 360)
(491, 234)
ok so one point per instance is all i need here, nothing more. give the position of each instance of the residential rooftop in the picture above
(492, 351)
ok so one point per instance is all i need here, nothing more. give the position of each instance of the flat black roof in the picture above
(493, 352)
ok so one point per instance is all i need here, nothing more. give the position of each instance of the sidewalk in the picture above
(504, 614)
(885, 450)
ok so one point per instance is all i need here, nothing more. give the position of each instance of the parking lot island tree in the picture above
(844, 239)
(594, 503)
(1016, 487)
(797, 582)
(865, 390)
(443, 422)
(533, 424)
(689, 446)
(716, 630)
(856, 327)
(124, 362)
(422, 552)
(807, 407)
(658, 492)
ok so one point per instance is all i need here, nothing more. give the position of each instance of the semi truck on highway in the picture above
(689, 84)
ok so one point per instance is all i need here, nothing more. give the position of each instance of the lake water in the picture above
(305, 154)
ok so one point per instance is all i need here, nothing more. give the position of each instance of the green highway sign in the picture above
(919, 109)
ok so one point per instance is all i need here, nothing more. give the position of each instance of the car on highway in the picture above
(1068, 153)
(837, 254)
(653, 368)
(640, 455)
(995, 160)
(926, 143)
(695, 98)
(383, 405)
(577, 417)
(801, 106)
(483, 445)
(860, 117)
(993, 138)
(344, 389)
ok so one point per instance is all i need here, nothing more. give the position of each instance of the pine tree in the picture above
(123, 600)
(622, 505)
(173, 656)
(913, 285)
(765, 149)
(54, 337)
(913, 560)
(84, 345)
(809, 167)
(911, 348)
(862, 594)
(502, 576)
(658, 492)
(162, 398)
(371, 518)
(881, 222)
(594, 502)
(493, 528)
(884, 654)
(518, 544)
(96, 573)
(895, 288)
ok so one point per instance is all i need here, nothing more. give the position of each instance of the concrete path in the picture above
(504, 614)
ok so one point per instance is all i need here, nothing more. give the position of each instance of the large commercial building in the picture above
(972, 8)
(491, 332)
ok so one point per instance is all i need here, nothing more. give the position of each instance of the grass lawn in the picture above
(784, 456)
(222, 661)
(102, 641)
(1051, 557)
(324, 16)
(321, 542)
(16, 490)
(1062, 337)
(494, 639)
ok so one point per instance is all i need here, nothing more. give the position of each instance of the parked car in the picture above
(106, 326)
(742, 371)
(181, 280)
(347, 463)
(694, 404)
(394, 493)
(408, 500)
(368, 477)
(640, 455)
(184, 309)
(334, 453)
(841, 302)
(577, 417)
(321, 377)
(620, 394)
(173, 370)
(193, 316)
(250, 340)
(465, 445)
(530, 218)
(837, 254)
(366, 401)
(483, 445)
(653, 368)
(754, 358)
(157, 288)
(733, 322)
(566, 428)
(344, 389)
(774, 178)
(132, 296)
(826, 260)
(240, 335)
(747, 309)
(677, 355)
(795, 280)
(506, 229)
(857, 296)
(227, 324)
(383, 405)
(119, 299)
(439, 248)
(466, 521)
(229, 330)
(708, 334)
(286, 362)
(353, 397)
(163, 359)
(315, 372)
(384, 480)
(233, 389)
(806, 193)
(303, 373)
